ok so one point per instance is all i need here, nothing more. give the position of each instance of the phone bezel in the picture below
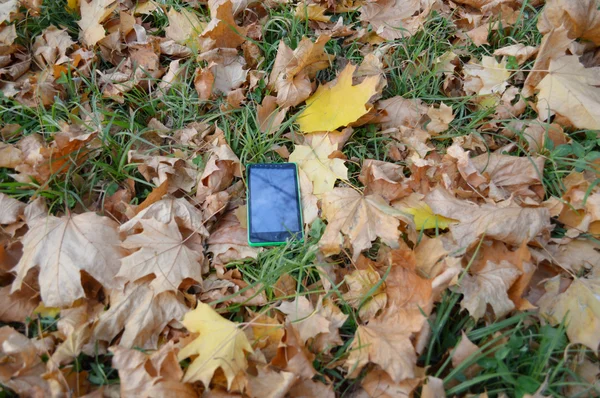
(279, 237)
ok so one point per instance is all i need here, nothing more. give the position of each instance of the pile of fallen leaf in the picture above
(136, 280)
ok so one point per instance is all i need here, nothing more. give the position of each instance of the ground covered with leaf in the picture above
(449, 161)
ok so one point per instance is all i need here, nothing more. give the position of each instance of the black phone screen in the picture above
(273, 205)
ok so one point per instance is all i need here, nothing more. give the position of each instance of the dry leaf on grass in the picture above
(361, 219)
(520, 51)
(22, 368)
(269, 383)
(184, 27)
(338, 103)
(487, 78)
(140, 314)
(152, 375)
(399, 111)
(62, 247)
(505, 221)
(229, 241)
(366, 292)
(571, 90)
(10, 209)
(93, 14)
(305, 318)
(489, 285)
(580, 18)
(440, 118)
(10, 156)
(395, 19)
(579, 304)
(385, 179)
(319, 167)
(164, 253)
(222, 31)
(220, 344)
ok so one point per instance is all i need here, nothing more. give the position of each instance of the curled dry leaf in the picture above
(361, 219)
(10, 156)
(220, 344)
(62, 247)
(229, 241)
(337, 104)
(385, 179)
(140, 313)
(505, 221)
(377, 383)
(399, 111)
(162, 251)
(22, 368)
(581, 18)
(50, 48)
(167, 210)
(310, 210)
(10, 209)
(320, 167)
(269, 116)
(222, 30)
(520, 51)
(184, 27)
(158, 374)
(423, 216)
(489, 77)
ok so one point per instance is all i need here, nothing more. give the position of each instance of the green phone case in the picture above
(261, 244)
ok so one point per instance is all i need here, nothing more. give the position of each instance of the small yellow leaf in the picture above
(72, 4)
(44, 311)
(423, 216)
(220, 345)
(337, 103)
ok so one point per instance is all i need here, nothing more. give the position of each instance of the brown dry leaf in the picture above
(388, 346)
(222, 166)
(155, 375)
(180, 173)
(395, 19)
(307, 320)
(229, 241)
(93, 14)
(571, 90)
(434, 388)
(222, 31)
(7, 8)
(10, 209)
(440, 118)
(324, 342)
(10, 156)
(312, 12)
(141, 313)
(504, 221)
(267, 334)
(399, 111)
(21, 368)
(50, 48)
(163, 252)
(270, 384)
(311, 388)
(490, 286)
(580, 18)
(366, 292)
(579, 304)
(554, 45)
(361, 219)
(574, 256)
(292, 356)
(167, 210)
(62, 247)
(385, 179)
(184, 27)
(377, 383)
(19, 305)
(269, 116)
(464, 350)
(520, 51)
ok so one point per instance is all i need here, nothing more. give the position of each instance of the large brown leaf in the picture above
(141, 313)
(361, 219)
(62, 247)
(505, 221)
(163, 252)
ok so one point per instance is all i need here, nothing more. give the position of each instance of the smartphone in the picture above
(274, 204)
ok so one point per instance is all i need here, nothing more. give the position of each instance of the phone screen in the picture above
(274, 212)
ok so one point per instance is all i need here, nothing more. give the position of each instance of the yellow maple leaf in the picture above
(313, 12)
(220, 345)
(315, 162)
(337, 103)
(423, 216)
